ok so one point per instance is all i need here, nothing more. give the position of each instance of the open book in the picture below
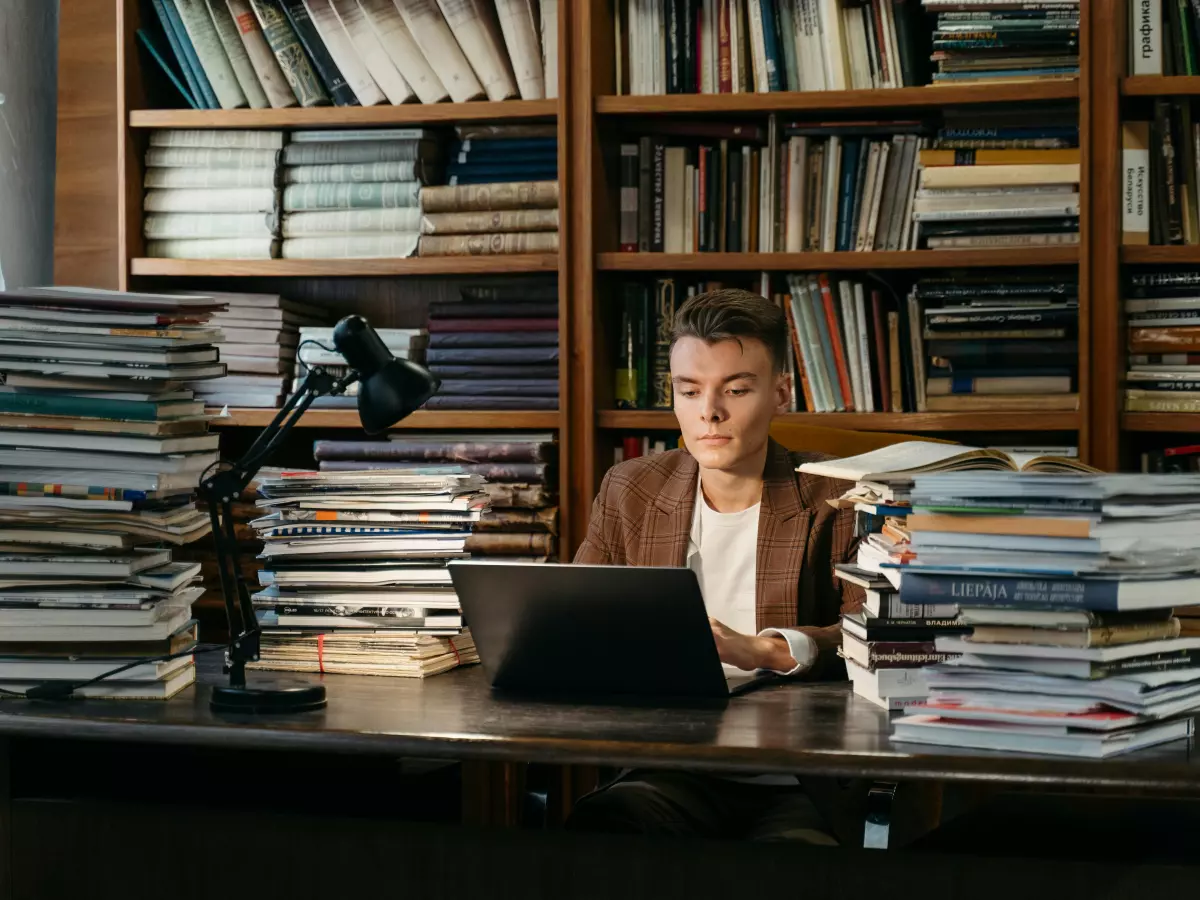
(900, 462)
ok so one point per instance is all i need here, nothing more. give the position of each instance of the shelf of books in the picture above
(346, 116)
(303, 161)
(1157, 372)
(910, 198)
(518, 263)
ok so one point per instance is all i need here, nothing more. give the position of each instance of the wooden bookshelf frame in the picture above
(588, 115)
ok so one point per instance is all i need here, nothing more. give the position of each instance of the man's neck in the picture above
(733, 490)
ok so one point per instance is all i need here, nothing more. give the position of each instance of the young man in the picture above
(761, 540)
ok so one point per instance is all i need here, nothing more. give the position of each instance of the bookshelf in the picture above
(598, 117)
(389, 292)
(590, 119)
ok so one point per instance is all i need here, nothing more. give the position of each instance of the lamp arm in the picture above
(219, 491)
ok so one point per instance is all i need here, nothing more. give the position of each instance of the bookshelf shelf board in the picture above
(344, 116)
(664, 420)
(1173, 253)
(1160, 85)
(802, 101)
(335, 268)
(842, 262)
(442, 420)
(1175, 423)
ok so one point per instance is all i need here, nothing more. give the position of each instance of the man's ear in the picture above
(783, 393)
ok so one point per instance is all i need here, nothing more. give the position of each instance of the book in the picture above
(206, 41)
(258, 50)
(328, 47)
(401, 47)
(371, 52)
(289, 53)
(900, 462)
(441, 49)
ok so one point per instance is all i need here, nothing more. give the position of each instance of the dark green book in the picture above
(335, 83)
(289, 53)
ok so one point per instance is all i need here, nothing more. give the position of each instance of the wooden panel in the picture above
(436, 419)
(1173, 423)
(130, 146)
(1155, 85)
(898, 98)
(842, 262)
(85, 190)
(345, 116)
(664, 420)
(340, 268)
(1185, 254)
(570, 205)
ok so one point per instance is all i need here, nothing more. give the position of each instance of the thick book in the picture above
(1104, 636)
(478, 34)
(437, 42)
(298, 71)
(231, 40)
(207, 44)
(1098, 594)
(402, 48)
(481, 198)
(371, 55)
(892, 654)
(262, 58)
(870, 629)
(299, 14)
(489, 244)
(185, 55)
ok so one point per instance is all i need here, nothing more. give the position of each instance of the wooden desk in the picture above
(819, 729)
(163, 823)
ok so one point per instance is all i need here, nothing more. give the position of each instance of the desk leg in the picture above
(492, 793)
(878, 827)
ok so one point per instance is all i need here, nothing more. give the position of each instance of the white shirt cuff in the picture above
(804, 648)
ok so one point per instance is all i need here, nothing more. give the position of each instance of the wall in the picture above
(85, 220)
(28, 84)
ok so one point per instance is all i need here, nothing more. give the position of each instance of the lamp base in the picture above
(268, 699)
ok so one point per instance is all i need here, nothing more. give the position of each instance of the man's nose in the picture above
(713, 410)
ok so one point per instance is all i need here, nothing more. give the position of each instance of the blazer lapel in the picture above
(668, 522)
(783, 530)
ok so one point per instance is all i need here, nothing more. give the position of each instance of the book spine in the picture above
(486, 198)
(625, 370)
(549, 26)
(662, 391)
(166, 20)
(350, 246)
(437, 43)
(365, 44)
(351, 173)
(982, 590)
(489, 244)
(658, 196)
(166, 226)
(228, 248)
(212, 200)
(675, 54)
(511, 543)
(207, 44)
(209, 178)
(473, 27)
(312, 224)
(491, 222)
(275, 87)
(231, 40)
(724, 53)
(159, 55)
(211, 157)
(318, 52)
(518, 24)
(289, 54)
(799, 353)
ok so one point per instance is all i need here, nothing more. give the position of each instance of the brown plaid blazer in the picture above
(643, 517)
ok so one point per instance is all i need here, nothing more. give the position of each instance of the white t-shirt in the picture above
(722, 551)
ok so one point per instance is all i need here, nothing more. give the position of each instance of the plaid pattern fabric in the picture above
(643, 516)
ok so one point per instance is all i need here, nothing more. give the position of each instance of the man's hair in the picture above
(731, 314)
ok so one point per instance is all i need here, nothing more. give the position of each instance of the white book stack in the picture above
(212, 194)
(260, 333)
(354, 570)
(356, 193)
(101, 449)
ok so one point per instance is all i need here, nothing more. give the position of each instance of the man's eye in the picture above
(686, 393)
(737, 392)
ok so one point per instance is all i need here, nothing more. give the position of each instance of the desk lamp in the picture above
(389, 390)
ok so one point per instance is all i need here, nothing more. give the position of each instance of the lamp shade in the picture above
(389, 389)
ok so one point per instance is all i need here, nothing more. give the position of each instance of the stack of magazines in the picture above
(355, 576)
(101, 448)
(1068, 584)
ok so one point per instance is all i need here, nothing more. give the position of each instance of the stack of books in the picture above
(226, 54)
(496, 347)
(889, 643)
(211, 194)
(316, 348)
(101, 448)
(1074, 650)
(519, 470)
(999, 341)
(1007, 177)
(747, 46)
(483, 219)
(1163, 312)
(1005, 42)
(356, 193)
(503, 153)
(258, 347)
(354, 575)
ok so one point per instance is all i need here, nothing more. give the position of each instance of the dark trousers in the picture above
(695, 805)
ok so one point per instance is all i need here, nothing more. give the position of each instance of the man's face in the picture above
(725, 397)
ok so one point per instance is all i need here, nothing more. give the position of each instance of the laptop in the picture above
(583, 631)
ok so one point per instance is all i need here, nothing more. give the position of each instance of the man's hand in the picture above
(746, 651)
